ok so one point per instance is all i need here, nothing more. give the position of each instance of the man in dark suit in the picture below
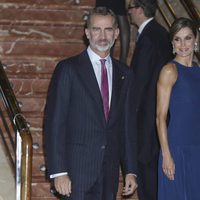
(152, 51)
(88, 128)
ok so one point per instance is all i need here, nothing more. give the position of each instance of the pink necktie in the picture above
(104, 88)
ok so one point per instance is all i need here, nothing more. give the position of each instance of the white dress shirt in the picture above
(144, 24)
(95, 60)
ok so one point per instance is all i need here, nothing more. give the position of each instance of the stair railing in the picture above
(21, 143)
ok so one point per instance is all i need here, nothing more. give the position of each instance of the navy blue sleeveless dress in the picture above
(183, 137)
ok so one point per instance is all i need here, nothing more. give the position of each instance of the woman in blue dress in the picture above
(178, 94)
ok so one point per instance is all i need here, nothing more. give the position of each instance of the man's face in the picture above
(133, 11)
(101, 33)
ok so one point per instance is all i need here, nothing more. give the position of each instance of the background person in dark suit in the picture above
(88, 130)
(152, 51)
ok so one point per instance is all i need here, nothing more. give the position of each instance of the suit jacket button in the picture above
(103, 147)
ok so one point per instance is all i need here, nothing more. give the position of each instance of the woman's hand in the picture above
(168, 167)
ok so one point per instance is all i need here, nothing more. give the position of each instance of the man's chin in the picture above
(103, 48)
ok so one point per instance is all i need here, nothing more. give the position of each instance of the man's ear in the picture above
(87, 33)
(116, 33)
(140, 10)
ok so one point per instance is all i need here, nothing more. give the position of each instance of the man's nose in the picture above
(102, 33)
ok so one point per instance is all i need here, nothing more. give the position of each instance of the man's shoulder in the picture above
(155, 27)
(154, 33)
(72, 61)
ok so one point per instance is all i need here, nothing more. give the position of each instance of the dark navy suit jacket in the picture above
(153, 50)
(77, 136)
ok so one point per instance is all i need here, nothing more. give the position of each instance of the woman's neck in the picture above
(187, 61)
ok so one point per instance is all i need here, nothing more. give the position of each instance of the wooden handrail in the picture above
(26, 166)
(20, 125)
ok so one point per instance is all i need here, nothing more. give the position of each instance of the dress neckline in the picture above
(194, 65)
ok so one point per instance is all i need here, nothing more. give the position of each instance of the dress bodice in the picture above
(184, 125)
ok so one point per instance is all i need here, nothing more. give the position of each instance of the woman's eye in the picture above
(176, 39)
(188, 38)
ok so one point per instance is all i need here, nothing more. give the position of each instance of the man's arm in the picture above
(129, 157)
(55, 120)
(55, 128)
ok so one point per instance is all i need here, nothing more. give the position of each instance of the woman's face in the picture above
(183, 42)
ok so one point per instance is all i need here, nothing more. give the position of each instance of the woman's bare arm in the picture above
(167, 79)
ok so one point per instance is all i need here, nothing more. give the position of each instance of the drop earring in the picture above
(196, 48)
(174, 50)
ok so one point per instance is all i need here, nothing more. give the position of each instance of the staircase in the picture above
(7, 181)
(34, 36)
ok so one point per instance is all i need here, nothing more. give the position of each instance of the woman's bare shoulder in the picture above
(169, 73)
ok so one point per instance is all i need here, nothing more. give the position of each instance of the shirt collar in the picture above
(95, 58)
(141, 28)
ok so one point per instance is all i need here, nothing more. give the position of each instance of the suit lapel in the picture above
(117, 83)
(86, 72)
(88, 78)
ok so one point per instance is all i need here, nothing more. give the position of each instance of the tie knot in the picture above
(103, 61)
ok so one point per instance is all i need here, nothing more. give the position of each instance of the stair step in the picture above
(7, 183)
